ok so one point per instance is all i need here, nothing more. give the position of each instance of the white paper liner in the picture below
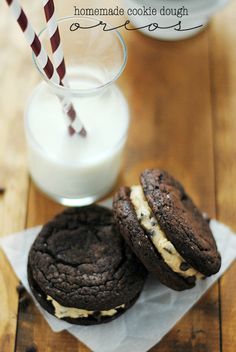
(157, 310)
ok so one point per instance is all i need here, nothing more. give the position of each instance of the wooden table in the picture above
(183, 103)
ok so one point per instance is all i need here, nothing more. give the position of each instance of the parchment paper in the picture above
(157, 310)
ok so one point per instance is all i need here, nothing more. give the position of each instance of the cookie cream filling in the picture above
(69, 312)
(165, 248)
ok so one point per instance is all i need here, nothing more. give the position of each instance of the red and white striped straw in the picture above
(33, 41)
(59, 60)
(55, 39)
(40, 53)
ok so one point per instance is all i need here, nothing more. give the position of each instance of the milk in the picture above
(71, 169)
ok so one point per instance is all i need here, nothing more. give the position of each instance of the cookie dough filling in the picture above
(165, 248)
(68, 312)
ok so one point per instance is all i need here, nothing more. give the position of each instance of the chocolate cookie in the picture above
(81, 270)
(166, 230)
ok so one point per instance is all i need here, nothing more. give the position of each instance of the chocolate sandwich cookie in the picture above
(81, 270)
(166, 231)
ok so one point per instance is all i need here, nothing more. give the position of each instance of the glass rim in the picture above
(79, 91)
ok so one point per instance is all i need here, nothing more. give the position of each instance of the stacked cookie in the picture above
(88, 267)
(166, 230)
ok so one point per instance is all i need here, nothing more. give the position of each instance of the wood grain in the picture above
(172, 130)
(223, 71)
(13, 172)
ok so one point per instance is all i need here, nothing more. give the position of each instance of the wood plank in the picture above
(13, 175)
(172, 129)
(223, 63)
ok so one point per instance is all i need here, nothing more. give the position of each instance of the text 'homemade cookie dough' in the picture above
(81, 270)
(166, 230)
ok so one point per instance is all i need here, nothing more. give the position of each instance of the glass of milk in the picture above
(73, 170)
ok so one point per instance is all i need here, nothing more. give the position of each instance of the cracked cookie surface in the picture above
(80, 260)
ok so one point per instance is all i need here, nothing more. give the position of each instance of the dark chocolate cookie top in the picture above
(81, 261)
(181, 221)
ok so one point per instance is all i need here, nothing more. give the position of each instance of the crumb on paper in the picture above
(20, 288)
(2, 190)
(32, 348)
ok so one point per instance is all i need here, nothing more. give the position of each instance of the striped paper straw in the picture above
(40, 53)
(59, 61)
(55, 39)
(33, 41)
